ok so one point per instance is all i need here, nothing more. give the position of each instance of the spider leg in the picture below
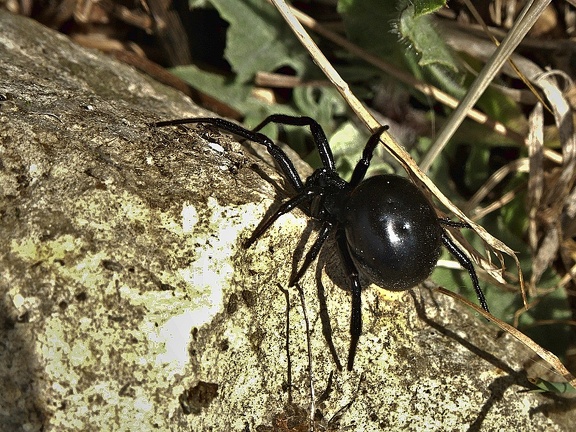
(356, 291)
(312, 253)
(465, 262)
(276, 152)
(317, 134)
(286, 207)
(364, 162)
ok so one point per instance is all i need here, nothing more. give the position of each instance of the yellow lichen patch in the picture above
(33, 250)
(106, 210)
(55, 351)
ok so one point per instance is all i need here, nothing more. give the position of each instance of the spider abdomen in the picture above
(392, 231)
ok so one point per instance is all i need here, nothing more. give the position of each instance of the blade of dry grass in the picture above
(517, 165)
(565, 124)
(525, 80)
(543, 353)
(523, 23)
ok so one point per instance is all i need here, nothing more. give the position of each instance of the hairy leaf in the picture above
(420, 31)
(404, 35)
(424, 7)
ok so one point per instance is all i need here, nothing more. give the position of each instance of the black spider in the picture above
(384, 226)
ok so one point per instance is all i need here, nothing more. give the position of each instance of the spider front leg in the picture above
(276, 152)
(364, 162)
(318, 134)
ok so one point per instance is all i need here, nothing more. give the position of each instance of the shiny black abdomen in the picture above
(393, 233)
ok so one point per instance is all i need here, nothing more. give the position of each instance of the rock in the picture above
(128, 302)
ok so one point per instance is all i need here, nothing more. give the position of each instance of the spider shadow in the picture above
(499, 385)
(281, 192)
(326, 260)
(330, 261)
(287, 346)
(21, 363)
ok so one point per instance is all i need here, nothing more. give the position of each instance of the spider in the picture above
(385, 228)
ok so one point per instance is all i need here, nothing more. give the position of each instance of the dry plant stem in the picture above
(524, 22)
(568, 277)
(401, 155)
(551, 208)
(326, 67)
(525, 80)
(563, 119)
(518, 165)
(269, 79)
(546, 355)
(535, 143)
(423, 87)
(497, 204)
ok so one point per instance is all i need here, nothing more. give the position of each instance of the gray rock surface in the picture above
(128, 303)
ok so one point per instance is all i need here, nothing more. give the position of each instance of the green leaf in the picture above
(216, 85)
(554, 387)
(258, 39)
(403, 35)
(425, 7)
(420, 31)
(378, 26)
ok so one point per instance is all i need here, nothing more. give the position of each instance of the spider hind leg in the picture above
(465, 262)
